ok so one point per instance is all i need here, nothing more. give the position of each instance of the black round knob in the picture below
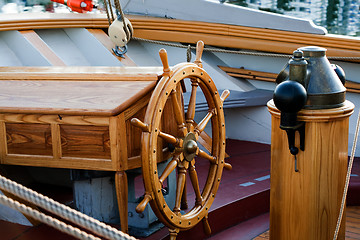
(290, 96)
(339, 72)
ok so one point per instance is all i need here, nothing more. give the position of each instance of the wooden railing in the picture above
(214, 34)
(271, 77)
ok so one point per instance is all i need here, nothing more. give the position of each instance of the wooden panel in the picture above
(83, 73)
(56, 141)
(66, 162)
(137, 106)
(54, 119)
(3, 141)
(352, 225)
(85, 141)
(29, 139)
(306, 204)
(118, 142)
(133, 134)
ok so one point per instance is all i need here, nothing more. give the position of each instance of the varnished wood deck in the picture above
(352, 225)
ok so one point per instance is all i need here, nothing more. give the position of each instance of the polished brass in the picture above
(314, 71)
(190, 146)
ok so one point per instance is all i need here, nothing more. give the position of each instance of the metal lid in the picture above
(313, 51)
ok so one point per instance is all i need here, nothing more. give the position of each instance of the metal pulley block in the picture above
(120, 33)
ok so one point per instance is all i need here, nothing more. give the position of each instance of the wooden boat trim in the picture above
(319, 115)
(42, 47)
(63, 162)
(55, 119)
(271, 77)
(214, 34)
(232, 36)
(81, 73)
(29, 21)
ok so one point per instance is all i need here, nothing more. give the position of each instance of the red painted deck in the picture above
(240, 209)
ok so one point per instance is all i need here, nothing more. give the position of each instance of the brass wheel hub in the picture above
(190, 147)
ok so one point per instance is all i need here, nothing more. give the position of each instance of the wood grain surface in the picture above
(85, 73)
(174, 30)
(70, 97)
(306, 204)
(352, 225)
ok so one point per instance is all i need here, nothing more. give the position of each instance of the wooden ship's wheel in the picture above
(182, 144)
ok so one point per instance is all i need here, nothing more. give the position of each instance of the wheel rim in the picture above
(186, 146)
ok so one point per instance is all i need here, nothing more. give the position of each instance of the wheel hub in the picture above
(190, 146)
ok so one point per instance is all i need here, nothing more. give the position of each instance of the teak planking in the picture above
(306, 204)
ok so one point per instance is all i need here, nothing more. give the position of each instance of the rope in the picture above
(119, 9)
(263, 54)
(344, 58)
(188, 53)
(63, 211)
(107, 12)
(110, 10)
(53, 222)
(343, 200)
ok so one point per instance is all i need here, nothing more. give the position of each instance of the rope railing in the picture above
(63, 211)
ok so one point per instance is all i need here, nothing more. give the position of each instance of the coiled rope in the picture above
(60, 210)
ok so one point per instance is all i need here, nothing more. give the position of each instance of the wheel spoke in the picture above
(179, 114)
(195, 184)
(179, 188)
(184, 204)
(203, 154)
(206, 225)
(190, 114)
(201, 126)
(168, 169)
(170, 139)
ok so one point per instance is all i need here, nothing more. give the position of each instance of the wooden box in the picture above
(75, 118)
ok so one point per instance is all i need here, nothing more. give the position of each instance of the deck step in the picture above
(245, 230)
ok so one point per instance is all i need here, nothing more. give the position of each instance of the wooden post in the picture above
(306, 204)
